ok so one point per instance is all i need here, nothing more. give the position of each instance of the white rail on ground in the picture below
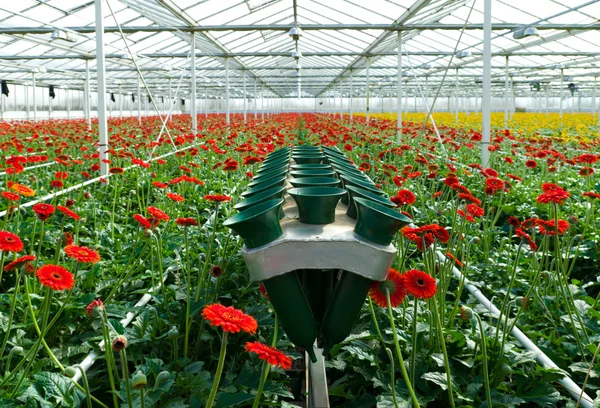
(573, 389)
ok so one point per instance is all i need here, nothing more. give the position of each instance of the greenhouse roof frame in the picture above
(338, 37)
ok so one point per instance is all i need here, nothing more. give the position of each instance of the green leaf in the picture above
(543, 395)
(360, 353)
(229, 400)
(437, 378)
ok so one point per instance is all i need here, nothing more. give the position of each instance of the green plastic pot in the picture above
(271, 176)
(349, 172)
(343, 308)
(304, 148)
(275, 161)
(343, 161)
(315, 182)
(272, 169)
(316, 205)
(354, 191)
(362, 182)
(268, 174)
(317, 166)
(312, 173)
(308, 159)
(318, 285)
(266, 195)
(376, 222)
(293, 310)
(263, 186)
(259, 224)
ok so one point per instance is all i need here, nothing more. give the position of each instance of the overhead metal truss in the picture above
(340, 37)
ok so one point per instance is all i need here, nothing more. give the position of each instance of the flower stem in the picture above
(109, 360)
(86, 386)
(399, 353)
(11, 315)
(202, 276)
(484, 360)
(126, 377)
(413, 352)
(265, 368)
(443, 345)
(188, 287)
(215, 386)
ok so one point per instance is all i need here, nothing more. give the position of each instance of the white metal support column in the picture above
(560, 94)
(245, 97)
(506, 94)
(227, 101)
(547, 98)
(399, 96)
(486, 99)
(139, 101)
(34, 98)
(170, 104)
(456, 96)
(255, 102)
(193, 93)
(26, 87)
(101, 70)
(50, 100)
(68, 94)
(262, 102)
(340, 93)
(368, 94)
(351, 96)
(87, 105)
(120, 96)
(593, 98)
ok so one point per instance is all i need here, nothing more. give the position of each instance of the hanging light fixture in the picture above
(463, 54)
(524, 32)
(295, 33)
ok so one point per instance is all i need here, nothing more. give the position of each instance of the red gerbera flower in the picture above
(143, 221)
(556, 196)
(55, 277)
(95, 304)
(532, 164)
(158, 184)
(269, 354)
(522, 234)
(586, 171)
(420, 284)
(68, 212)
(186, 222)
(229, 319)
(57, 184)
(19, 262)
(10, 196)
(82, 254)
(157, 214)
(405, 197)
(218, 198)
(10, 242)
(116, 170)
(475, 210)
(494, 184)
(175, 197)
(591, 194)
(394, 284)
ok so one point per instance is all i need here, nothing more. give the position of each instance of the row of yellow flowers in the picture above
(572, 126)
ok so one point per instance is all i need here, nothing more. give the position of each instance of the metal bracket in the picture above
(316, 382)
(329, 246)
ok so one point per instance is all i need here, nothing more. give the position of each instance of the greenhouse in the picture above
(303, 203)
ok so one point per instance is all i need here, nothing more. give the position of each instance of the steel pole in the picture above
(120, 96)
(170, 104)
(87, 104)
(399, 97)
(255, 100)
(139, 93)
(506, 94)
(245, 99)
(368, 94)
(262, 102)
(560, 94)
(351, 96)
(26, 87)
(34, 99)
(486, 99)
(101, 86)
(227, 107)
(456, 96)
(193, 93)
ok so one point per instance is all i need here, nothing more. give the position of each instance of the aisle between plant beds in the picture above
(316, 256)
